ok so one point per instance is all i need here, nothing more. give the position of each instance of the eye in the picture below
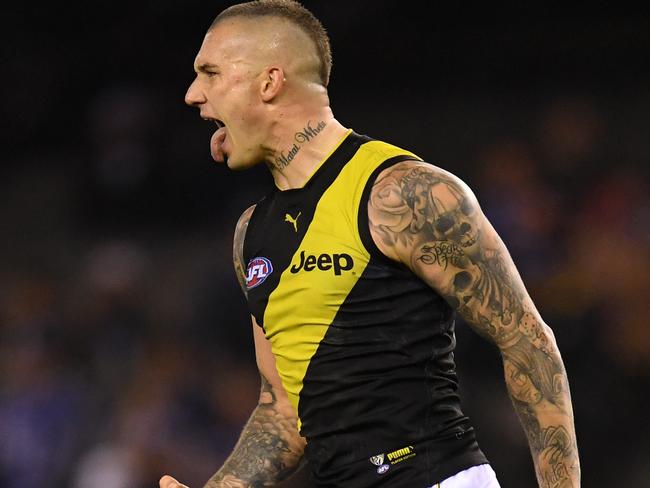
(208, 72)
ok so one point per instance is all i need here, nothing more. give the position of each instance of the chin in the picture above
(239, 165)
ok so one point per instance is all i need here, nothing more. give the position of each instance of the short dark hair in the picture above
(295, 13)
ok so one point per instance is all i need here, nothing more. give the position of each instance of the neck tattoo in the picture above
(301, 138)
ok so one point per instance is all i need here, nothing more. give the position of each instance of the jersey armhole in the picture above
(250, 229)
(363, 223)
(246, 255)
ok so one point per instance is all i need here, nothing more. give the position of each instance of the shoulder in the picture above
(412, 174)
(240, 230)
(416, 191)
(412, 198)
(243, 220)
(238, 245)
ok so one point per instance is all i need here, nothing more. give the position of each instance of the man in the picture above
(354, 268)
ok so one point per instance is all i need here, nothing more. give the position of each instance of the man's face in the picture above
(228, 71)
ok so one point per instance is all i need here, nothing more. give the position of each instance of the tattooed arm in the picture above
(269, 448)
(430, 221)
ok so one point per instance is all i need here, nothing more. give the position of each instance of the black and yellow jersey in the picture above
(363, 346)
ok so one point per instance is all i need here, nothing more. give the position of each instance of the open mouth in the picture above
(219, 123)
(217, 140)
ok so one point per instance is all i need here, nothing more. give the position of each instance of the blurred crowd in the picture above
(125, 343)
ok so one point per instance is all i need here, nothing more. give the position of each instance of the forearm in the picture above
(539, 389)
(269, 450)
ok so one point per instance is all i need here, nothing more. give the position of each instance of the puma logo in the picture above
(290, 219)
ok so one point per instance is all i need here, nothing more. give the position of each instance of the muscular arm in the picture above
(429, 220)
(269, 448)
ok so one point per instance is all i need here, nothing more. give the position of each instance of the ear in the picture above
(272, 84)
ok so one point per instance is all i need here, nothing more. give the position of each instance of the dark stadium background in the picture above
(125, 345)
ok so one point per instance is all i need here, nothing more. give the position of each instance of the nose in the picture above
(194, 96)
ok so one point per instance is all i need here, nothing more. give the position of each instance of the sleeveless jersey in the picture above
(364, 348)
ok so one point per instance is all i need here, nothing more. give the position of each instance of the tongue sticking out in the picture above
(216, 144)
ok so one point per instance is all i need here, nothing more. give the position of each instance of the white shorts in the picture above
(481, 476)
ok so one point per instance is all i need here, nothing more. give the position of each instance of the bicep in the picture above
(272, 390)
(475, 273)
(431, 221)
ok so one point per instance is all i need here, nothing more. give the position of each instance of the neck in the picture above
(300, 146)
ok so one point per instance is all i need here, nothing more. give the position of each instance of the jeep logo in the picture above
(337, 262)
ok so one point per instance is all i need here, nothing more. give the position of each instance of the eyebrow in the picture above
(204, 67)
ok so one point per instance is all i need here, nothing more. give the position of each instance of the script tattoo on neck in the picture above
(303, 136)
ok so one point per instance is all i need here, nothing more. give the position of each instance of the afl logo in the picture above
(257, 271)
